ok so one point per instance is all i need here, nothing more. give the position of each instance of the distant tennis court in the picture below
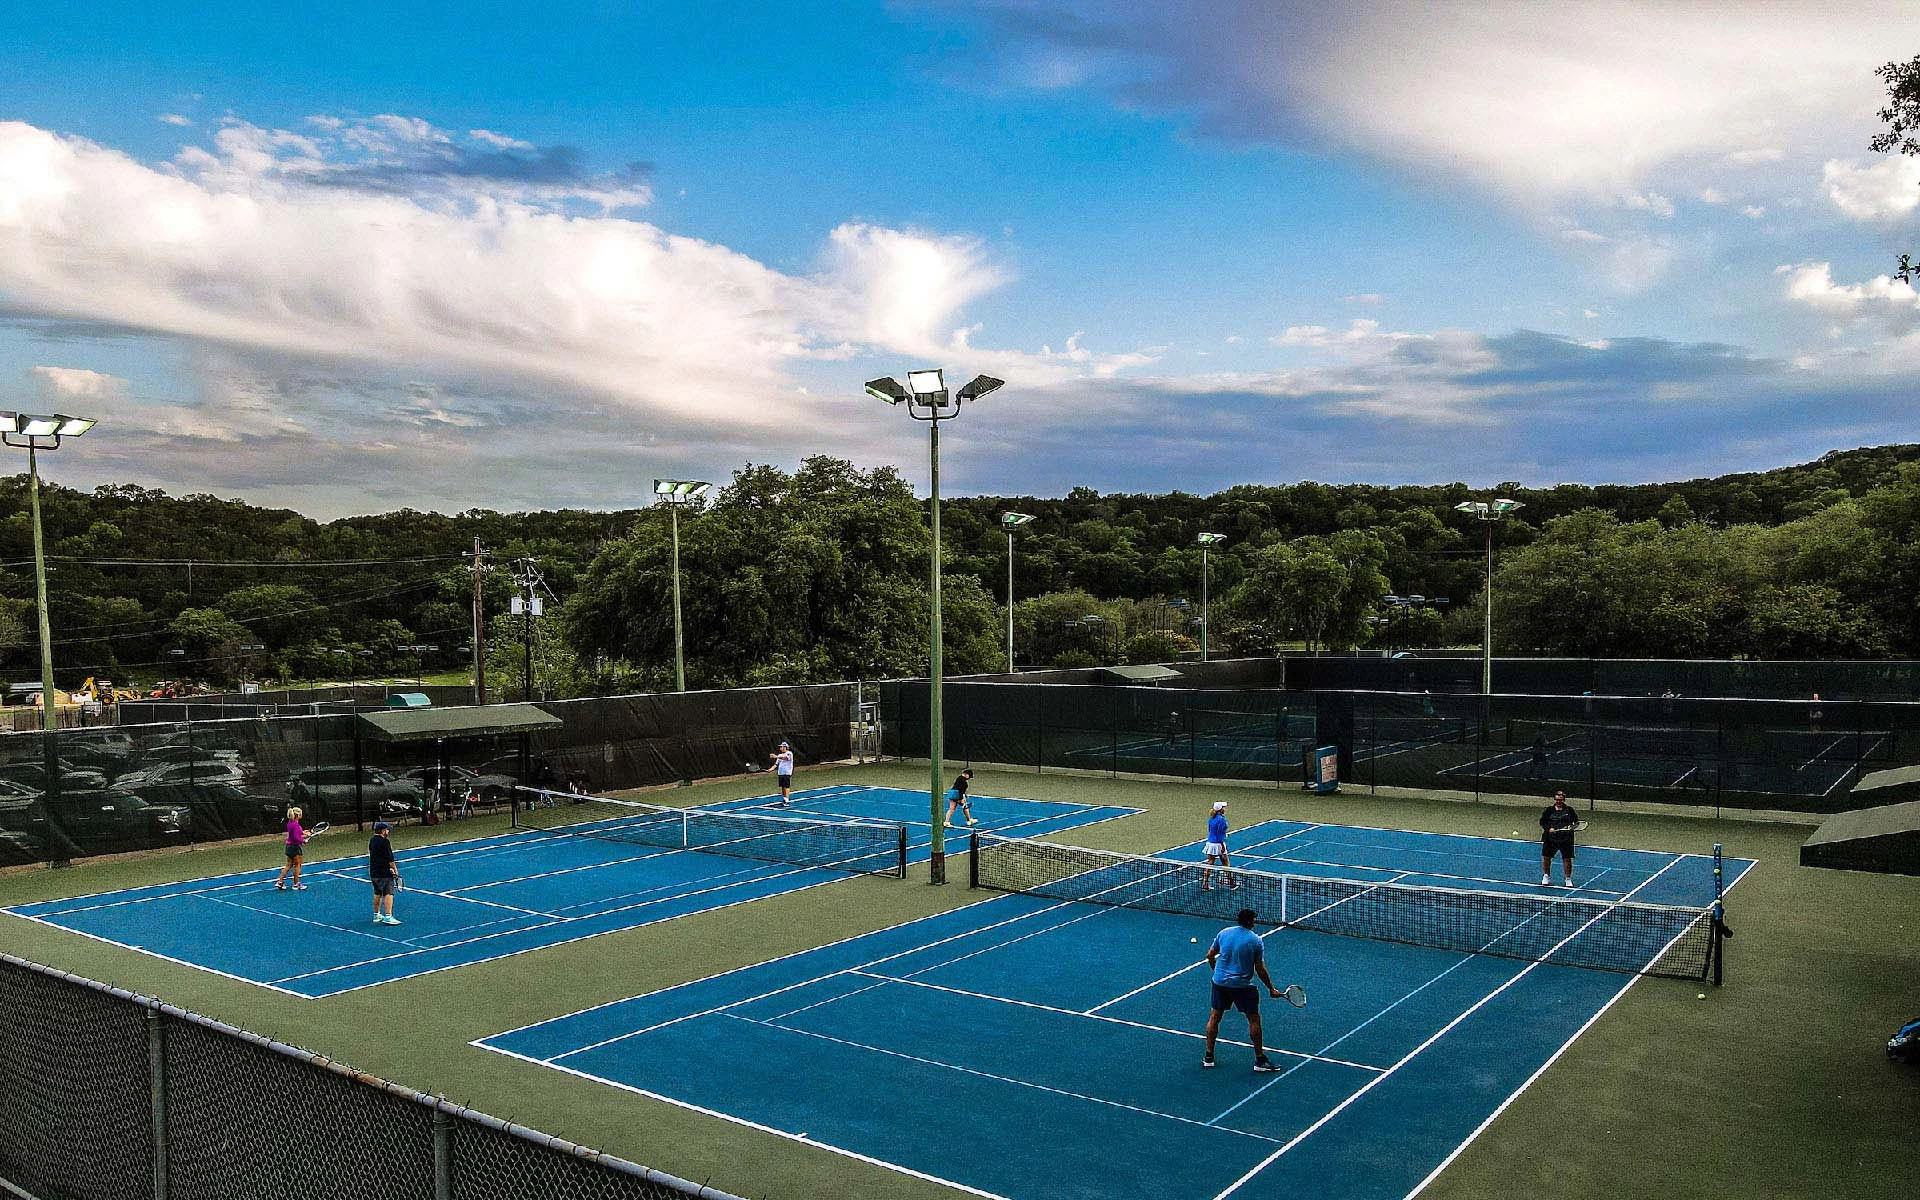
(581, 870)
(1031, 1046)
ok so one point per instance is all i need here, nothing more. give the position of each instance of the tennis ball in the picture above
(1195, 941)
(1702, 996)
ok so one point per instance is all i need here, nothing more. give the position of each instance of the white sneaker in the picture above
(1546, 881)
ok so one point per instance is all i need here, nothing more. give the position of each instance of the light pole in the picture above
(1488, 512)
(34, 433)
(1205, 540)
(927, 399)
(674, 493)
(1011, 521)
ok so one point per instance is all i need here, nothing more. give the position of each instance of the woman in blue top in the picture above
(1217, 848)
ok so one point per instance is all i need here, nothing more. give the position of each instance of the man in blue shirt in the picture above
(1236, 956)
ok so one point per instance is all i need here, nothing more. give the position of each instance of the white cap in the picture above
(1218, 805)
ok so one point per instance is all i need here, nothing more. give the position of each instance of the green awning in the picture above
(433, 724)
(1142, 674)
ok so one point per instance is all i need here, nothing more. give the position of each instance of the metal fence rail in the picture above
(109, 1094)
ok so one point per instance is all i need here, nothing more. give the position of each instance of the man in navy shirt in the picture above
(1556, 837)
(384, 872)
(1236, 956)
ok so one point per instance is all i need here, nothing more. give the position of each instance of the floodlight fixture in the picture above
(887, 389)
(1211, 539)
(676, 491)
(1206, 540)
(929, 387)
(981, 385)
(1014, 520)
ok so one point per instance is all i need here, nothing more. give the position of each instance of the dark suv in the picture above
(327, 793)
(95, 821)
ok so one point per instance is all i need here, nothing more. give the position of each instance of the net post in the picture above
(973, 862)
(900, 849)
(1717, 946)
(1283, 899)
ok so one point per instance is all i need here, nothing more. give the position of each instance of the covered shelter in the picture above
(448, 730)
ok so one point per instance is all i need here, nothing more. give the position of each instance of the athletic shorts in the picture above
(1217, 848)
(785, 780)
(1246, 999)
(295, 850)
(383, 886)
(1557, 843)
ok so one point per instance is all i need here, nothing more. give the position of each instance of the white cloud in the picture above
(385, 244)
(1365, 298)
(1812, 284)
(1712, 196)
(1886, 190)
(1651, 202)
(1755, 211)
(1538, 102)
(175, 119)
(79, 383)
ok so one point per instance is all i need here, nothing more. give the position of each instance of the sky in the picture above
(351, 258)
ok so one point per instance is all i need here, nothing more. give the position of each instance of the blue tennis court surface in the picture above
(483, 898)
(1027, 1048)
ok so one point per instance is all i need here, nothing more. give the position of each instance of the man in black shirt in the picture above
(384, 872)
(1556, 837)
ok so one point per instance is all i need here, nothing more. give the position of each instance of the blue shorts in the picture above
(1246, 998)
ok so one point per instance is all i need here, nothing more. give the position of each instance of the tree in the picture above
(1902, 118)
(210, 641)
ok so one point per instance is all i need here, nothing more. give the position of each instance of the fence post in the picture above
(442, 1155)
(157, 1092)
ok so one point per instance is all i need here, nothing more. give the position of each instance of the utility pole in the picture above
(479, 626)
(528, 605)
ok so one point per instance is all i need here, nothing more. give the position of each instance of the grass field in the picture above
(1774, 1085)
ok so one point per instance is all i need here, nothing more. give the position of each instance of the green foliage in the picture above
(815, 576)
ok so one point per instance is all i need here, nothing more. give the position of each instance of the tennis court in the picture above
(572, 871)
(1829, 763)
(1037, 1046)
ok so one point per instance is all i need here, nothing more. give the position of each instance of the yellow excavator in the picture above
(104, 691)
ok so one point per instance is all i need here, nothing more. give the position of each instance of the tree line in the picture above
(821, 574)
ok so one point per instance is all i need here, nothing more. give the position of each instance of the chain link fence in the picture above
(108, 789)
(1799, 755)
(107, 1095)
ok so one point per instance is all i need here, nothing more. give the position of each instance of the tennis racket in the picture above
(317, 830)
(1580, 826)
(1295, 995)
(755, 768)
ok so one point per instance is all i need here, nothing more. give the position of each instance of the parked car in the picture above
(195, 771)
(181, 752)
(221, 806)
(327, 793)
(32, 773)
(94, 821)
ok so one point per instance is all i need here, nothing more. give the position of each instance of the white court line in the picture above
(1529, 1081)
(1072, 1012)
(731, 1119)
(978, 1074)
(833, 999)
(789, 987)
(1409, 1057)
(179, 962)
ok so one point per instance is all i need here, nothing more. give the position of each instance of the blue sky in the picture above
(353, 258)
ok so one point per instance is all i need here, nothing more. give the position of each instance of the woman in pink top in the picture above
(296, 849)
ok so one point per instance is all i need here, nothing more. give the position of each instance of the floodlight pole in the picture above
(679, 641)
(933, 406)
(1011, 521)
(49, 718)
(1206, 540)
(34, 433)
(1487, 512)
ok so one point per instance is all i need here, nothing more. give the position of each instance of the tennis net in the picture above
(865, 847)
(1578, 931)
